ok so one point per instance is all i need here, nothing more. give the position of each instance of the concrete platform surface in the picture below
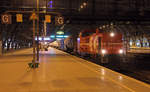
(61, 72)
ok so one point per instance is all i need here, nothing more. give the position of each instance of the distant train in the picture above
(94, 43)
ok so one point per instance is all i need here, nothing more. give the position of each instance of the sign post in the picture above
(33, 64)
(33, 17)
(33, 43)
(37, 30)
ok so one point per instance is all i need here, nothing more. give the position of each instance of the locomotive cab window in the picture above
(87, 34)
(99, 41)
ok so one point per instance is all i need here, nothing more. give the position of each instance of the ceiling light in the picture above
(84, 3)
(81, 6)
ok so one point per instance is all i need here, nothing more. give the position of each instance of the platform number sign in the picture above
(33, 16)
(59, 20)
(19, 17)
(48, 18)
(6, 19)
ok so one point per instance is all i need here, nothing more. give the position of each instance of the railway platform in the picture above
(61, 72)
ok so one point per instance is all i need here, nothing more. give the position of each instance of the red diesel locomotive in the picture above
(104, 45)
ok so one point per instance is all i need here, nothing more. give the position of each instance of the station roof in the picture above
(85, 12)
(92, 9)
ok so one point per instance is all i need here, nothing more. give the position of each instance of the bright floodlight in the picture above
(112, 34)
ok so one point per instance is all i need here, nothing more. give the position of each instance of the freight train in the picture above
(104, 46)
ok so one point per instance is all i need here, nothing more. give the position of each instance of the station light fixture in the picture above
(40, 38)
(46, 38)
(100, 28)
(104, 26)
(65, 36)
(81, 6)
(84, 3)
(59, 36)
(45, 43)
(78, 39)
(52, 36)
(60, 32)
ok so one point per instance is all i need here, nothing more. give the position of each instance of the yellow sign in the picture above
(47, 18)
(33, 16)
(19, 18)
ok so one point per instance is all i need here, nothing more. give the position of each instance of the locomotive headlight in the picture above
(112, 34)
(121, 51)
(103, 51)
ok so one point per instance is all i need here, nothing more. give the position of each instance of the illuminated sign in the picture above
(46, 38)
(59, 36)
(19, 18)
(52, 36)
(59, 20)
(60, 32)
(6, 19)
(65, 36)
(47, 18)
(33, 16)
(40, 38)
(50, 4)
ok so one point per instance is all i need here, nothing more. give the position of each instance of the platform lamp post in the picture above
(37, 30)
(35, 64)
(34, 57)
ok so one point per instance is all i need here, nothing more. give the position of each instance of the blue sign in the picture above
(50, 4)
